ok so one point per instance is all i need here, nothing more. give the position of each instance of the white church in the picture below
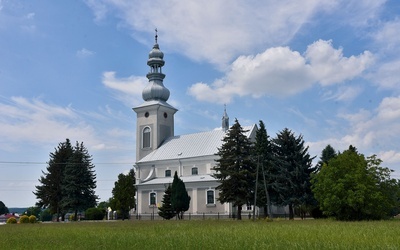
(159, 152)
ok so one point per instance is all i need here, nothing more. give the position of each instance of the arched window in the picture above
(146, 137)
(153, 198)
(210, 197)
(167, 173)
(195, 171)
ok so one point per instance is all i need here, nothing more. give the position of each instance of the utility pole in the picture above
(266, 193)
(255, 190)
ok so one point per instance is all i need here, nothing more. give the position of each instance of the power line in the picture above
(38, 180)
(39, 163)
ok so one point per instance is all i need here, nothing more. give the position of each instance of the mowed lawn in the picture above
(203, 234)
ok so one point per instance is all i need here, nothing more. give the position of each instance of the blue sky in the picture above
(329, 70)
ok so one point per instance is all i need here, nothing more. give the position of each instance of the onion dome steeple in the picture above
(155, 89)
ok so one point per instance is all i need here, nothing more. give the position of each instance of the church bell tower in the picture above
(155, 117)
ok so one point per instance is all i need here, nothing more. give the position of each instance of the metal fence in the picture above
(203, 216)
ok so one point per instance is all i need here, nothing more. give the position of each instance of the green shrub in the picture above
(24, 219)
(94, 214)
(11, 220)
(45, 215)
(32, 219)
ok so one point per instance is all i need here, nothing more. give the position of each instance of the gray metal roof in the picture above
(190, 145)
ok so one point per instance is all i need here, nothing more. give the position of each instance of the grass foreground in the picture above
(203, 234)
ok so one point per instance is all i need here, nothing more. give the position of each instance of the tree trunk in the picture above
(239, 213)
(291, 213)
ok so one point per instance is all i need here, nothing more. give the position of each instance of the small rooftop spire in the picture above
(225, 120)
(156, 37)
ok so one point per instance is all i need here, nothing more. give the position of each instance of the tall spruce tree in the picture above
(295, 167)
(327, 153)
(50, 192)
(166, 210)
(266, 173)
(180, 200)
(235, 169)
(124, 193)
(80, 181)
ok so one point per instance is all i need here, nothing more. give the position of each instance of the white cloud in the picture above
(356, 13)
(280, 71)
(128, 90)
(30, 15)
(34, 121)
(387, 75)
(99, 9)
(83, 53)
(387, 41)
(25, 123)
(372, 132)
(376, 132)
(218, 31)
(344, 93)
(387, 36)
(390, 156)
(329, 66)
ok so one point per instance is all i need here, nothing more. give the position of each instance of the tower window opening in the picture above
(146, 137)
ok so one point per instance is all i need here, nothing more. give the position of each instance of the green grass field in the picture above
(203, 234)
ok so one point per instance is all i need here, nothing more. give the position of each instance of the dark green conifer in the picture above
(235, 169)
(166, 210)
(294, 166)
(180, 200)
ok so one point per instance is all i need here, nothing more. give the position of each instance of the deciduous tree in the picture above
(124, 193)
(352, 187)
(36, 211)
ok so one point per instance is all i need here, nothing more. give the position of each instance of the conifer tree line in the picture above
(69, 183)
(279, 171)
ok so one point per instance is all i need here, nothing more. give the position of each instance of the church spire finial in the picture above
(155, 89)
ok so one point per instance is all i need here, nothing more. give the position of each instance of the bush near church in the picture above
(32, 219)
(24, 219)
(12, 220)
(94, 213)
(45, 215)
